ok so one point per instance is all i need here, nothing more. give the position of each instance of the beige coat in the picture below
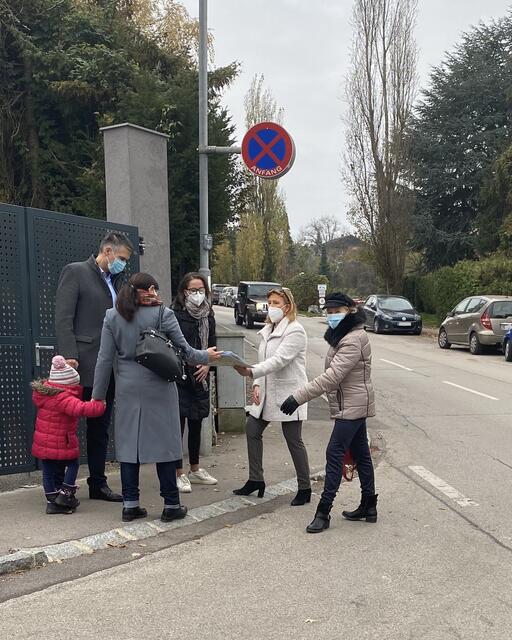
(346, 380)
(280, 371)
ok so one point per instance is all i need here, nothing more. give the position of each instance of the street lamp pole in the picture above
(204, 238)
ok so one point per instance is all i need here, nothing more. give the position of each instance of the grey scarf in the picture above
(200, 313)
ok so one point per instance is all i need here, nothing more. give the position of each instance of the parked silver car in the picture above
(228, 296)
(231, 297)
(216, 290)
(477, 322)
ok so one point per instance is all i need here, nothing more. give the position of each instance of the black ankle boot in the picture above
(366, 510)
(52, 508)
(322, 518)
(66, 497)
(303, 496)
(250, 487)
(131, 513)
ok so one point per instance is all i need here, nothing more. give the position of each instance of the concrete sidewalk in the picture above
(26, 526)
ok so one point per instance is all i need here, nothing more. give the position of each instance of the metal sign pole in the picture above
(204, 240)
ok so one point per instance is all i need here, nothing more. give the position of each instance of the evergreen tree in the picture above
(462, 125)
(69, 67)
(324, 269)
(495, 213)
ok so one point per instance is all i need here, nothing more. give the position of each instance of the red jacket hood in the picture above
(44, 389)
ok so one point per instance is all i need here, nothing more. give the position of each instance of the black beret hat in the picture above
(338, 299)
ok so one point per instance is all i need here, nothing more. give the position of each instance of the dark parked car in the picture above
(477, 322)
(251, 303)
(387, 313)
(216, 290)
(507, 345)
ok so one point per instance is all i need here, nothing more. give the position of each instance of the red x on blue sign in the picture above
(268, 150)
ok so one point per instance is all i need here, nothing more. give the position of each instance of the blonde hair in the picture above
(285, 294)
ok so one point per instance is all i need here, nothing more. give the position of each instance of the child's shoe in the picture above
(52, 508)
(66, 497)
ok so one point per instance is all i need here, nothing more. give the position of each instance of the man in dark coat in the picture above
(84, 293)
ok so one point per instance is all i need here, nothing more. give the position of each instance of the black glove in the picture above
(289, 406)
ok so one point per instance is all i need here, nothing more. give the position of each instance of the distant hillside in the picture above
(344, 244)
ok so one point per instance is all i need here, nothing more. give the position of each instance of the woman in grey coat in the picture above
(147, 416)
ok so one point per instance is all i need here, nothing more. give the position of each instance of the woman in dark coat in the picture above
(347, 385)
(197, 322)
(147, 425)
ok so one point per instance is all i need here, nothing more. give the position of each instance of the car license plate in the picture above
(506, 326)
(404, 324)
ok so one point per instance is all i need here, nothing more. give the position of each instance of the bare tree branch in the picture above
(320, 231)
(380, 93)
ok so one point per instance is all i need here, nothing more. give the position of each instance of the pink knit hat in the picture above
(62, 373)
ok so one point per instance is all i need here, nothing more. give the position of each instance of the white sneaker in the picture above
(183, 484)
(201, 476)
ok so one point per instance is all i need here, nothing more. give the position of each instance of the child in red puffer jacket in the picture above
(59, 405)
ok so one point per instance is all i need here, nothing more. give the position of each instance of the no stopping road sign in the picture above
(268, 150)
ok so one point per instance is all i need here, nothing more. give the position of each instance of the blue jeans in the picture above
(59, 472)
(348, 434)
(166, 474)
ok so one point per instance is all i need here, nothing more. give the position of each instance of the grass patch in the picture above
(430, 320)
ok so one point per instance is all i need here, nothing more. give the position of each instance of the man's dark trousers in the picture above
(97, 439)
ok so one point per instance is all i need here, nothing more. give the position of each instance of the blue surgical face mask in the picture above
(334, 319)
(117, 266)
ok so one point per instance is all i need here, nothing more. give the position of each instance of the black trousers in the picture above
(348, 434)
(194, 440)
(97, 438)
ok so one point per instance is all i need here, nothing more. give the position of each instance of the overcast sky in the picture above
(302, 49)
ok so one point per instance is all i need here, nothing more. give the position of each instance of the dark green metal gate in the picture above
(34, 247)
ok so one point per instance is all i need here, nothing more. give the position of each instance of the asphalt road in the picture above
(437, 565)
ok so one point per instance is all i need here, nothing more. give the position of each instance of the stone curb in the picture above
(39, 557)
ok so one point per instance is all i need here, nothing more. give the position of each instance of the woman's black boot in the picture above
(366, 510)
(322, 518)
(303, 496)
(250, 487)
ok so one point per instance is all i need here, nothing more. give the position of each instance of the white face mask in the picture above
(276, 314)
(196, 298)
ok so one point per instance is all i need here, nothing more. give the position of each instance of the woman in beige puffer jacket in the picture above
(347, 384)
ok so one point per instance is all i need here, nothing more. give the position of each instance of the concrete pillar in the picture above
(137, 193)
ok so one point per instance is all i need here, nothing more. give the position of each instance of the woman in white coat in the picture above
(280, 370)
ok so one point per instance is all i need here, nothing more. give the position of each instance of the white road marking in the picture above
(395, 364)
(441, 486)
(477, 393)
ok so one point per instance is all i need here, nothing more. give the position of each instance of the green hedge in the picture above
(439, 292)
(304, 289)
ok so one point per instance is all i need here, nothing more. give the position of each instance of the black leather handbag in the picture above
(158, 354)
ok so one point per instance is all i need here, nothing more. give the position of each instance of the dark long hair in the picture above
(126, 302)
(179, 300)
